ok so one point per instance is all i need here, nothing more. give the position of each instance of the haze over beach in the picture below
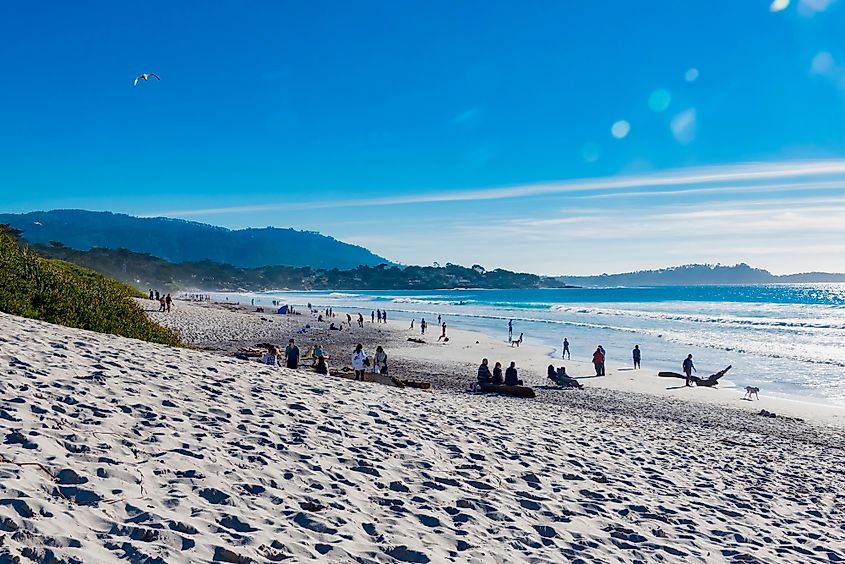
(422, 282)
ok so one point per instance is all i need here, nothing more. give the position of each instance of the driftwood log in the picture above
(516, 391)
(708, 382)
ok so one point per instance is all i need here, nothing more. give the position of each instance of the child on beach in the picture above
(380, 361)
(271, 357)
(359, 361)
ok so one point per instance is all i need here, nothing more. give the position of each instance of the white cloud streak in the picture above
(756, 175)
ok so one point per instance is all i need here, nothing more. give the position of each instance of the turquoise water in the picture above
(787, 339)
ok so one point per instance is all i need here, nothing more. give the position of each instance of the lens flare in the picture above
(620, 129)
(778, 5)
(659, 100)
(691, 74)
(591, 152)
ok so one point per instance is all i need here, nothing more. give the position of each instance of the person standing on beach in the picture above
(510, 330)
(151, 293)
(438, 319)
(359, 361)
(360, 321)
(566, 352)
(598, 361)
(689, 367)
(411, 328)
(291, 355)
(603, 359)
(380, 361)
(372, 317)
(271, 357)
(443, 334)
(636, 353)
(349, 319)
(378, 315)
(384, 315)
(422, 326)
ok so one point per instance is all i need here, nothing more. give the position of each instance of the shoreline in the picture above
(464, 354)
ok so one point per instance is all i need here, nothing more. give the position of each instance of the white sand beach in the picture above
(119, 449)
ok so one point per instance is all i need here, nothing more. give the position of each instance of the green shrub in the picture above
(66, 294)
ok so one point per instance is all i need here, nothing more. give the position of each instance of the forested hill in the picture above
(694, 274)
(177, 240)
(146, 271)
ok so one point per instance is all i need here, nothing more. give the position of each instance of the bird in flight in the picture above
(146, 76)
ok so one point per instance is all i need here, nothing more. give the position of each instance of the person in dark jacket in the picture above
(598, 361)
(484, 376)
(498, 380)
(688, 368)
(511, 376)
(636, 354)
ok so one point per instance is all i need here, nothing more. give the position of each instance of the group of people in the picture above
(291, 357)
(378, 316)
(496, 378)
(165, 302)
(361, 362)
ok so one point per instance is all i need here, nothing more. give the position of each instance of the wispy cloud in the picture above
(755, 176)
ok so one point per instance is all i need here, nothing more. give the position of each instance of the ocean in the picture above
(788, 339)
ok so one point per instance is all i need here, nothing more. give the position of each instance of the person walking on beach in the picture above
(158, 296)
(360, 321)
(689, 367)
(349, 320)
(636, 353)
(598, 361)
(443, 334)
(168, 301)
(566, 352)
(384, 315)
(510, 330)
(151, 293)
(411, 328)
(359, 361)
(511, 376)
(162, 304)
(422, 326)
(291, 355)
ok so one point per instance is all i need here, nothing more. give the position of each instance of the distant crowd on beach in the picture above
(165, 302)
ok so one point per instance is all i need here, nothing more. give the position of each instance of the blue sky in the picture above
(554, 137)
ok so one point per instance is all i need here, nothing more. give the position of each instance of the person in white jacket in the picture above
(359, 361)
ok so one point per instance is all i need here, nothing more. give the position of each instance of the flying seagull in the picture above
(146, 76)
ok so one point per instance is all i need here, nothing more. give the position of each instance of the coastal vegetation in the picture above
(67, 294)
(146, 271)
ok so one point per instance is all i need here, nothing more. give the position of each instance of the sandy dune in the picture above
(117, 449)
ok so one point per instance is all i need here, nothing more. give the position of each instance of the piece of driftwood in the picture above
(419, 385)
(515, 391)
(708, 382)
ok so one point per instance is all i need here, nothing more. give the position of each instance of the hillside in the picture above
(177, 240)
(693, 274)
(146, 271)
(65, 294)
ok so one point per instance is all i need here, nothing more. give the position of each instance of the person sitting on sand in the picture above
(511, 376)
(359, 361)
(498, 379)
(321, 367)
(598, 361)
(271, 357)
(561, 378)
(484, 376)
(380, 361)
(291, 355)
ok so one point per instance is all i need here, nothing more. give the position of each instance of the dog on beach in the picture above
(751, 391)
